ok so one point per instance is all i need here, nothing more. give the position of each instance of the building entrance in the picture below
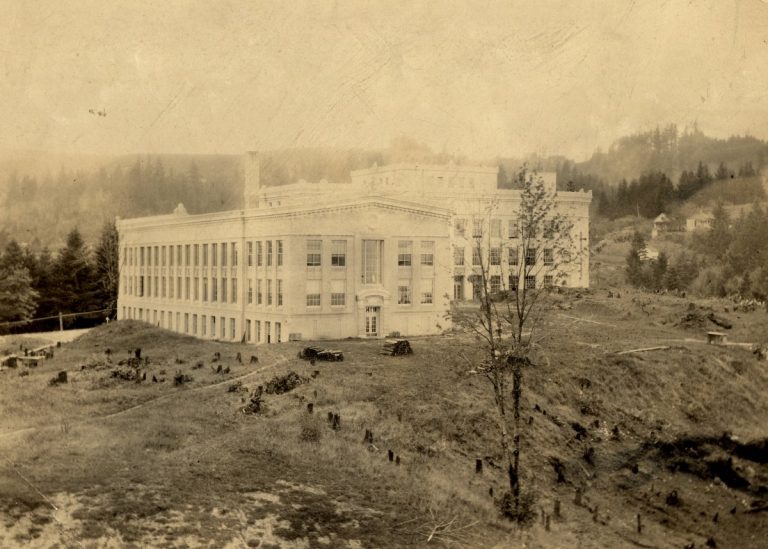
(372, 321)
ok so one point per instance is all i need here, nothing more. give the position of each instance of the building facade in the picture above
(383, 253)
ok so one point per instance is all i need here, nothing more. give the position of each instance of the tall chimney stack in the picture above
(252, 180)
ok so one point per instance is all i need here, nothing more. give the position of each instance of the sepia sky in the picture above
(478, 78)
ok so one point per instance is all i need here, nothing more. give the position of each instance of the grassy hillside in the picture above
(109, 462)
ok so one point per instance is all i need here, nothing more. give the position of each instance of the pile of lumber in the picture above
(395, 347)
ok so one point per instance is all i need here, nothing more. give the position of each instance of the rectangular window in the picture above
(234, 291)
(278, 332)
(170, 287)
(205, 257)
(372, 261)
(187, 254)
(458, 255)
(163, 256)
(428, 252)
(477, 228)
(269, 253)
(223, 290)
(214, 259)
(549, 257)
(404, 253)
(259, 262)
(223, 255)
(530, 282)
(203, 320)
(250, 290)
(513, 282)
(279, 258)
(249, 254)
(460, 227)
(496, 228)
(214, 290)
(141, 256)
(476, 259)
(314, 253)
(269, 292)
(548, 281)
(196, 289)
(530, 256)
(530, 230)
(194, 324)
(257, 331)
(149, 257)
(338, 253)
(258, 292)
(513, 256)
(427, 290)
(163, 281)
(338, 293)
(279, 290)
(248, 331)
(178, 287)
(186, 288)
(313, 293)
(232, 328)
(495, 284)
(512, 229)
(186, 323)
(403, 293)
(495, 256)
(197, 255)
(205, 288)
(234, 254)
(170, 256)
(222, 327)
(213, 323)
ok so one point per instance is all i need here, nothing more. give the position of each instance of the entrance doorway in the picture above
(372, 321)
(458, 288)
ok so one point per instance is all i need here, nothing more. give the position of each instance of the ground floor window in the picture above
(248, 331)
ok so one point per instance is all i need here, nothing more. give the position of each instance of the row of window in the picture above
(404, 292)
(224, 254)
(494, 284)
(513, 256)
(208, 326)
(514, 228)
(221, 290)
(339, 253)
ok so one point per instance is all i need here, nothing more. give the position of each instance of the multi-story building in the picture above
(383, 253)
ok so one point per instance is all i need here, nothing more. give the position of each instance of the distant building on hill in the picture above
(661, 224)
(700, 221)
(383, 253)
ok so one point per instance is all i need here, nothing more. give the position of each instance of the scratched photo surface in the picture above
(384, 274)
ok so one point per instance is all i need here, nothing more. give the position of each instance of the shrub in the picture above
(525, 515)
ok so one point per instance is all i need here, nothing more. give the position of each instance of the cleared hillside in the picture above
(104, 460)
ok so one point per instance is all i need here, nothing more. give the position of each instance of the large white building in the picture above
(383, 253)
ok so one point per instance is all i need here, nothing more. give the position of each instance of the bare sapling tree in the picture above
(511, 276)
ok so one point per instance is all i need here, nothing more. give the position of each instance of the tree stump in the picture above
(330, 417)
(62, 377)
(254, 359)
(137, 352)
(478, 466)
(556, 510)
(391, 455)
(397, 460)
(310, 407)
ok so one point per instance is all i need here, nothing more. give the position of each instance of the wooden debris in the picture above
(644, 349)
(396, 347)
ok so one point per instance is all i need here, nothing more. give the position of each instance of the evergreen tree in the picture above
(722, 172)
(74, 284)
(634, 269)
(18, 300)
(660, 270)
(107, 268)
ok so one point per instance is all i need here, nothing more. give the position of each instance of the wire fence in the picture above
(82, 319)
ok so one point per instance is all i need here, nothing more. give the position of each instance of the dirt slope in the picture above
(672, 435)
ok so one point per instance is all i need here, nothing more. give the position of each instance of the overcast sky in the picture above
(479, 78)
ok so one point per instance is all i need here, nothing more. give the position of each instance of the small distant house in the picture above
(699, 221)
(661, 224)
(648, 254)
